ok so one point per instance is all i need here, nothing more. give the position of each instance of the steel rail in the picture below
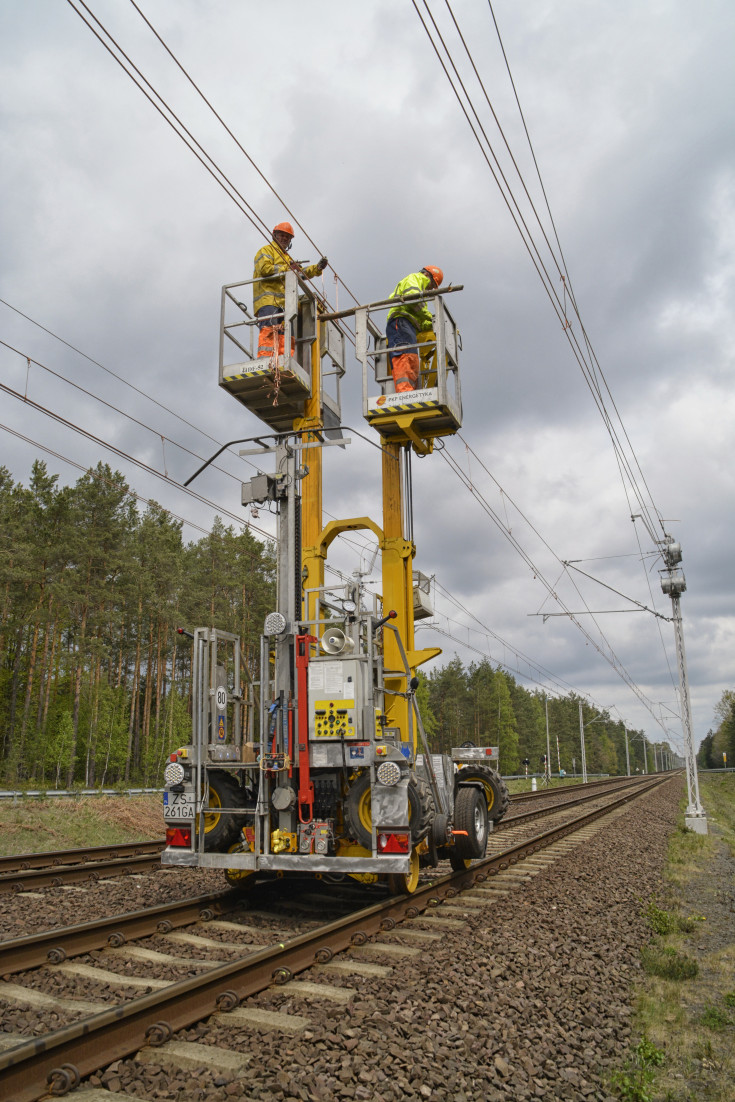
(550, 809)
(24, 861)
(74, 874)
(55, 946)
(58, 1061)
(607, 783)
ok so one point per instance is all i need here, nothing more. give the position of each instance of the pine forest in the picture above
(95, 679)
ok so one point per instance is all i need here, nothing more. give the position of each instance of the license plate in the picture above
(178, 805)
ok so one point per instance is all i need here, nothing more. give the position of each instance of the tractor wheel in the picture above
(358, 810)
(470, 815)
(495, 788)
(220, 829)
(405, 883)
(421, 809)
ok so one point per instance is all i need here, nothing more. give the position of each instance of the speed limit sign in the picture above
(221, 697)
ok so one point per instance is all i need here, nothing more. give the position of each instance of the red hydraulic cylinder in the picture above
(306, 786)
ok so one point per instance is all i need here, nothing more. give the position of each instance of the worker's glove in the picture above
(322, 263)
(295, 266)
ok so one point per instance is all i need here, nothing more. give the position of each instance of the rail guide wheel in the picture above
(405, 883)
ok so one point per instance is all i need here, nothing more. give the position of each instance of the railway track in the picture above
(29, 871)
(21, 862)
(270, 952)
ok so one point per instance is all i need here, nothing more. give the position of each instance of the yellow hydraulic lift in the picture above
(291, 394)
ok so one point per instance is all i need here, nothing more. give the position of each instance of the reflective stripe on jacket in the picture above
(273, 261)
(417, 313)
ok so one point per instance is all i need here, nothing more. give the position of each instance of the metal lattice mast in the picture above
(674, 584)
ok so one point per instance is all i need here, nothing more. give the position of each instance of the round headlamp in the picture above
(275, 623)
(174, 773)
(389, 772)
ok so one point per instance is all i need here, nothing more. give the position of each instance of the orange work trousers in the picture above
(405, 370)
(272, 338)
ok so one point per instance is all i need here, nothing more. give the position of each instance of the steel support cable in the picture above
(115, 409)
(527, 240)
(214, 171)
(538, 534)
(143, 394)
(354, 545)
(488, 654)
(500, 130)
(541, 270)
(120, 378)
(484, 629)
(125, 455)
(557, 690)
(530, 146)
(588, 371)
(99, 478)
(245, 153)
(610, 658)
(567, 277)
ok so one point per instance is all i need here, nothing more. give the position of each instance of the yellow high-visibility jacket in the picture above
(273, 261)
(417, 313)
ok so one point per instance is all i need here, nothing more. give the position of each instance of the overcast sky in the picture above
(115, 238)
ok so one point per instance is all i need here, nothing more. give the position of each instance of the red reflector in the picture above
(394, 843)
(178, 836)
(173, 757)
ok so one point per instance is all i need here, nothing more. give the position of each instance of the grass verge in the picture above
(36, 826)
(686, 1000)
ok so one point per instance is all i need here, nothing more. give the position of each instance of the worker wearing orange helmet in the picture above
(268, 293)
(406, 320)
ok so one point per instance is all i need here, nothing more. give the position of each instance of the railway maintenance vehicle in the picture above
(323, 765)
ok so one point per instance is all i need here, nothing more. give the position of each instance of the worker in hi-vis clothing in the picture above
(406, 321)
(268, 294)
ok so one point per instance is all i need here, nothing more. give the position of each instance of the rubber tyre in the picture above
(220, 830)
(421, 808)
(495, 788)
(470, 814)
(358, 810)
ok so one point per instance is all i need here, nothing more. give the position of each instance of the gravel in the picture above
(531, 999)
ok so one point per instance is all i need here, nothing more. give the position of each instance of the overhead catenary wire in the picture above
(96, 475)
(177, 63)
(589, 370)
(183, 132)
(606, 651)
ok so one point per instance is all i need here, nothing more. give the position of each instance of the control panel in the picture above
(334, 719)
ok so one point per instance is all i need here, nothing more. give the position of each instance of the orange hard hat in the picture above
(283, 227)
(436, 274)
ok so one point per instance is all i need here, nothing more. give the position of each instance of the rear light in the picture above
(394, 842)
(178, 836)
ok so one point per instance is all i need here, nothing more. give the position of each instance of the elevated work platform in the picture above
(277, 388)
(419, 416)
